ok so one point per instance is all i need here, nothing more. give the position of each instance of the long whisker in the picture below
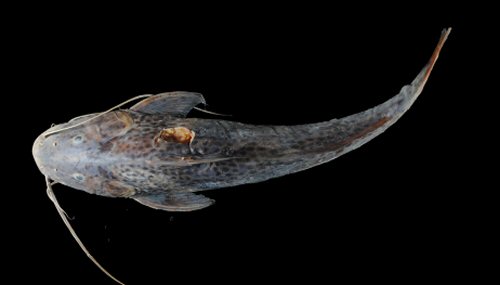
(63, 216)
(46, 134)
(211, 113)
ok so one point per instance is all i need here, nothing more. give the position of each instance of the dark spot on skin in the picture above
(274, 151)
(260, 149)
(245, 159)
(243, 152)
(106, 147)
(250, 148)
(104, 173)
(400, 101)
(227, 151)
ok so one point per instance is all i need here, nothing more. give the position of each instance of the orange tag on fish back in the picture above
(178, 134)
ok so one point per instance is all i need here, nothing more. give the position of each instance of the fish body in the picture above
(155, 155)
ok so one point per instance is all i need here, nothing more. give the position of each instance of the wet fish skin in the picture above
(155, 155)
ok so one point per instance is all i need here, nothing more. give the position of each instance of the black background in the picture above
(386, 210)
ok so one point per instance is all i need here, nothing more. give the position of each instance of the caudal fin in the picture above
(399, 104)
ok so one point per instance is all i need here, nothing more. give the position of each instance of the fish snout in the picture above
(43, 152)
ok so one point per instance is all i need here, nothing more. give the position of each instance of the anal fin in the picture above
(175, 201)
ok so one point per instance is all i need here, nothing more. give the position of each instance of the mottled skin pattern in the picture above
(122, 154)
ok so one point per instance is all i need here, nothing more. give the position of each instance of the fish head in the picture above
(71, 153)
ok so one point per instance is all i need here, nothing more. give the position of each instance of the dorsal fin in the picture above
(176, 104)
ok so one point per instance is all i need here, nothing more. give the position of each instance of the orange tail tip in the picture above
(444, 35)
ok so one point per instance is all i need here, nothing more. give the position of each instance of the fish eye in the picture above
(77, 139)
(78, 177)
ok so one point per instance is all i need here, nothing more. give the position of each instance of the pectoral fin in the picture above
(176, 201)
(176, 104)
